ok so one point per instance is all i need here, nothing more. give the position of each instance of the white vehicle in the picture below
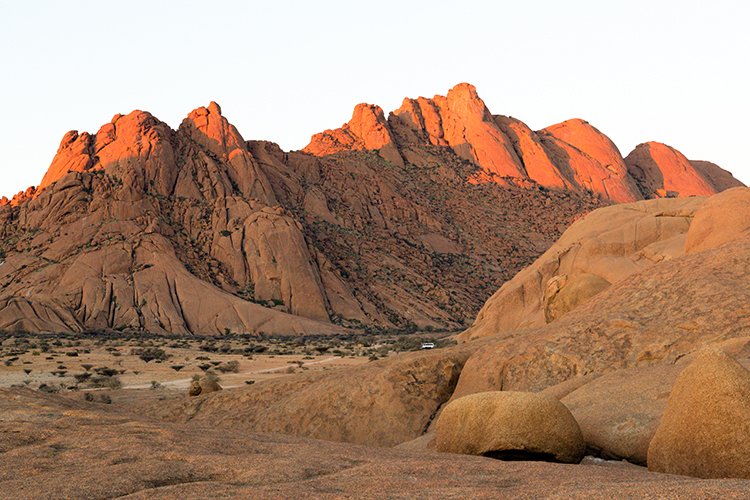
(428, 345)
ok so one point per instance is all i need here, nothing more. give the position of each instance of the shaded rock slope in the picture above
(399, 222)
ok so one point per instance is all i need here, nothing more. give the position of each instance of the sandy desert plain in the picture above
(115, 367)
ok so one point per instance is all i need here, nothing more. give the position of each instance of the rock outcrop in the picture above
(510, 425)
(705, 430)
(719, 178)
(601, 249)
(619, 412)
(204, 385)
(383, 403)
(58, 447)
(367, 130)
(462, 121)
(661, 171)
(657, 314)
(591, 158)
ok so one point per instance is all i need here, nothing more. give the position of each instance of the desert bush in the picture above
(50, 389)
(106, 371)
(150, 354)
(112, 382)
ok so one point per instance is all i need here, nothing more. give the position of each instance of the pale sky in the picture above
(671, 71)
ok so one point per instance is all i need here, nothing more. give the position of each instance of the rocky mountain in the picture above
(399, 222)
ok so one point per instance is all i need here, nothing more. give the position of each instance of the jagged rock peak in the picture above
(125, 135)
(460, 120)
(571, 155)
(367, 130)
(209, 128)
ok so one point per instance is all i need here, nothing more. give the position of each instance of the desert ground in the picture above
(114, 365)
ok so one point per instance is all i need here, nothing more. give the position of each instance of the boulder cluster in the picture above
(702, 430)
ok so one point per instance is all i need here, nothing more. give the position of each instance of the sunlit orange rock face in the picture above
(462, 121)
(532, 153)
(571, 155)
(662, 171)
(591, 159)
(366, 130)
(134, 145)
(208, 128)
(19, 197)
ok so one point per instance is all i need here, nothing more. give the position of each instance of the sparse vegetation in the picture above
(89, 363)
(150, 354)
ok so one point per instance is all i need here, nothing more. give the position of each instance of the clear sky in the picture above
(672, 71)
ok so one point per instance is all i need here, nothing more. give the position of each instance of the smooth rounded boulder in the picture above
(705, 429)
(204, 385)
(511, 426)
